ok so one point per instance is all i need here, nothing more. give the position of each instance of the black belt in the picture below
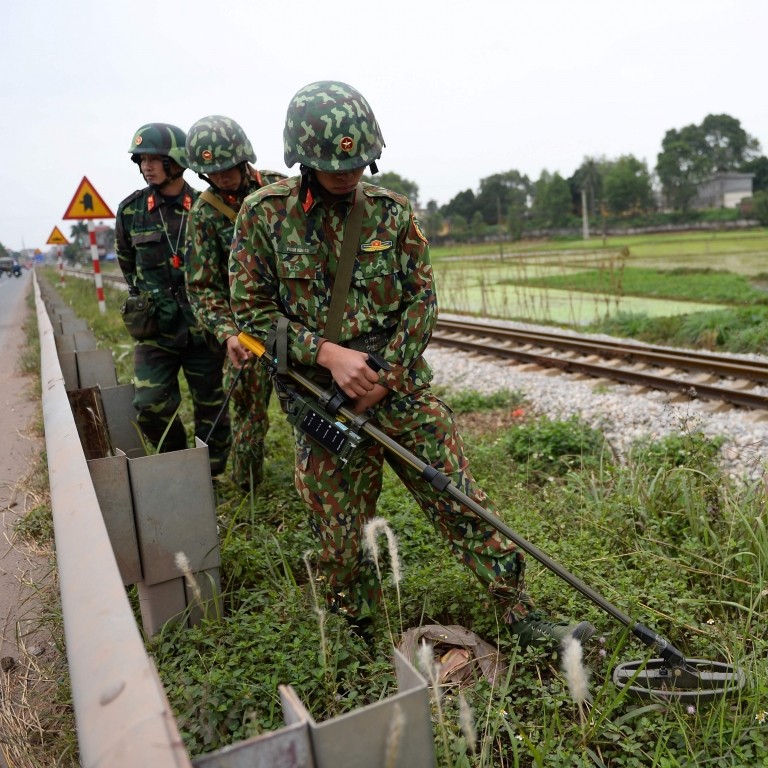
(369, 342)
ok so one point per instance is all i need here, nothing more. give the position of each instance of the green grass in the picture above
(706, 244)
(688, 289)
(664, 536)
(734, 330)
(709, 286)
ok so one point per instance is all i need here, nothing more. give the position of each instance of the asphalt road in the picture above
(19, 448)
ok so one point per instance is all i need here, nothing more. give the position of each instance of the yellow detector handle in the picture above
(252, 344)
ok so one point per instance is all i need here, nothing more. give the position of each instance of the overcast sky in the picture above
(461, 89)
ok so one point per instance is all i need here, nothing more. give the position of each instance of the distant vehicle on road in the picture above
(10, 265)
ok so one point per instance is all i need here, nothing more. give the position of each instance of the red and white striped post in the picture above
(96, 267)
(88, 204)
(61, 265)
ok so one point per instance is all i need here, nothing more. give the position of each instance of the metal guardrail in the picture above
(122, 714)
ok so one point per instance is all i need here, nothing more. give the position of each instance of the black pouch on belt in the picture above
(140, 315)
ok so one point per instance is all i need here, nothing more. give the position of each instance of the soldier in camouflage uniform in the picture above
(219, 151)
(286, 249)
(149, 242)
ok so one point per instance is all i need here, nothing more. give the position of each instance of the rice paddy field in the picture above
(583, 282)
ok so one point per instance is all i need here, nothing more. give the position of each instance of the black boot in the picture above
(537, 631)
(362, 627)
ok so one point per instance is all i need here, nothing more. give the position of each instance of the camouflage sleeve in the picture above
(418, 311)
(126, 256)
(254, 284)
(270, 177)
(209, 234)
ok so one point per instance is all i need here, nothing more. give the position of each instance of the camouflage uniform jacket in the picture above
(285, 254)
(147, 232)
(209, 236)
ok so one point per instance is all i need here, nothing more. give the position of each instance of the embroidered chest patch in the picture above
(376, 245)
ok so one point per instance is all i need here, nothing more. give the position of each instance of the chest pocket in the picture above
(377, 279)
(301, 282)
(150, 253)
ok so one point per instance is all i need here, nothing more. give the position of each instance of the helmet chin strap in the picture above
(306, 177)
(304, 188)
(244, 175)
(241, 166)
(159, 187)
(169, 177)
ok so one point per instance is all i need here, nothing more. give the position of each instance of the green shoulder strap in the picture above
(344, 268)
(219, 205)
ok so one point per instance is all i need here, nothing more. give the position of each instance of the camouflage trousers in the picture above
(157, 397)
(250, 421)
(342, 499)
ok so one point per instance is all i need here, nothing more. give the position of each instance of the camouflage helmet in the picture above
(331, 127)
(217, 143)
(160, 139)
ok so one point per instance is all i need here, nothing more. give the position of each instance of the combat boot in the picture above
(363, 628)
(536, 631)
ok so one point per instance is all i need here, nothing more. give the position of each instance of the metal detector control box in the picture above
(313, 420)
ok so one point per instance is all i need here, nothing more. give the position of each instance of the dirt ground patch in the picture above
(20, 448)
(27, 652)
(481, 423)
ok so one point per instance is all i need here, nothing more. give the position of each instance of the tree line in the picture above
(611, 191)
(614, 192)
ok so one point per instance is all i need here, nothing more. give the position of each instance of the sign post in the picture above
(57, 238)
(88, 204)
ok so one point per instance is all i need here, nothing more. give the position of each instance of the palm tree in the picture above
(78, 232)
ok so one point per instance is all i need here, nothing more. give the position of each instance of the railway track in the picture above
(736, 382)
(739, 383)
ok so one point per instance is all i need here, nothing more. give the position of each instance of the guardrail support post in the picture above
(122, 714)
(396, 732)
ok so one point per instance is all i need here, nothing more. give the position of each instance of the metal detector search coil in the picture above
(694, 681)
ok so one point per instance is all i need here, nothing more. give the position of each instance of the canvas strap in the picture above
(219, 205)
(344, 268)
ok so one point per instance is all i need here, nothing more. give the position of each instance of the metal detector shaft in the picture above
(226, 400)
(443, 483)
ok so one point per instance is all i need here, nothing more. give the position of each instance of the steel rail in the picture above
(122, 715)
(625, 376)
(689, 360)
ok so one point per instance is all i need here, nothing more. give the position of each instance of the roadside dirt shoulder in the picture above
(20, 448)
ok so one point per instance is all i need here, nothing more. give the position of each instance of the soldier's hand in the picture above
(237, 353)
(349, 368)
(369, 400)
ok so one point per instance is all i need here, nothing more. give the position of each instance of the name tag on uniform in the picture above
(298, 250)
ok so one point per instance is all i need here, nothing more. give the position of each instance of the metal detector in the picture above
(670, 677)
(226, 400)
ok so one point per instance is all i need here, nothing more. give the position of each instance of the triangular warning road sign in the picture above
(87, 204)
(56, 238)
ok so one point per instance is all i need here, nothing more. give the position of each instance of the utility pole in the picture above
(584, 215)
(498, 228)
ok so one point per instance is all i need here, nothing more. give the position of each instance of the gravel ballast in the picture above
(621, 412)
